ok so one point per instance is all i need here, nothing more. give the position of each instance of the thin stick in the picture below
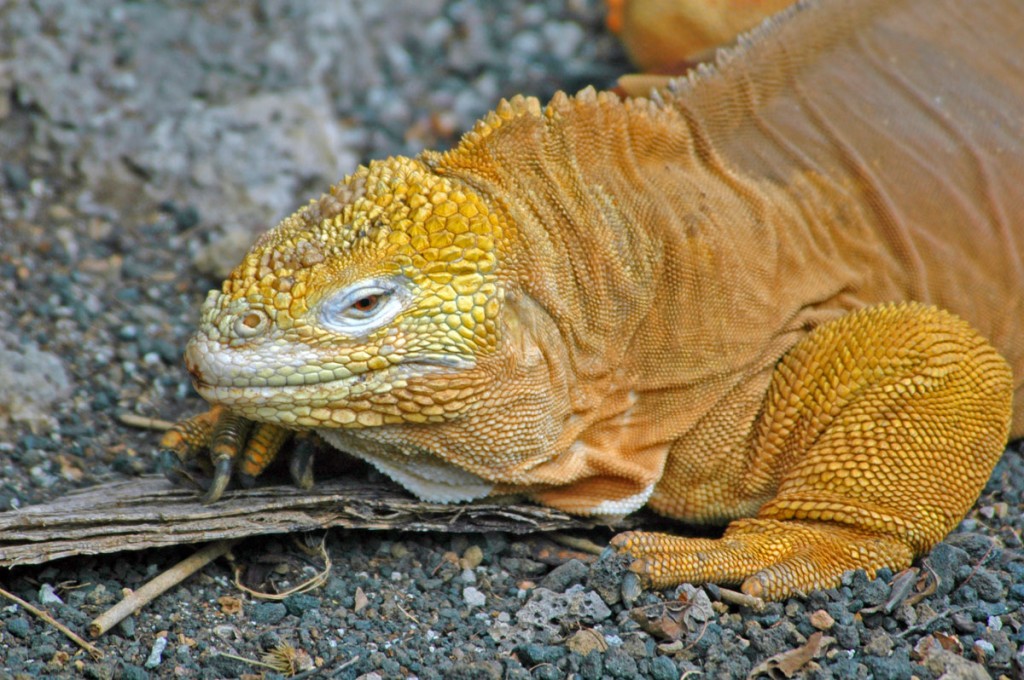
(251, 662)
(336, 671)
(144, 422)
(408, 615)
(742, 599)
(150, 591)
(576, 543)
(94, 651)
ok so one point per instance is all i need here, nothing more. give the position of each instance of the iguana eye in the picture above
(364, 306)
(368, 303)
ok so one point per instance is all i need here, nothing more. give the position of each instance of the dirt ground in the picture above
(142, 146)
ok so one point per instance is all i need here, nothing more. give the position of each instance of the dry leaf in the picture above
(673, 619)
(230, 605)
(929, 644)
(788, 663)
(361, 600)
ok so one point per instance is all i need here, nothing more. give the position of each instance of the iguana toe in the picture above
(771, 559)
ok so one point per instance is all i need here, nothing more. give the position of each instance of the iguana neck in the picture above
(645, 251)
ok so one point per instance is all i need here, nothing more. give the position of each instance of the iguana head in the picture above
(367, 314)
(357, 309)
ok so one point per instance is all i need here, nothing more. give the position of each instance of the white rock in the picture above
(473, 597)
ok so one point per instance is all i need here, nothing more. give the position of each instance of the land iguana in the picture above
(785, 293)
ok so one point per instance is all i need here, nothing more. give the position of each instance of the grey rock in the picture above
(533, 654)
(268, 612)
(945, 559)
(606, 576)
(132, 672)
(987, 585)
(950, 665)
(618, 664)
(473, 597)
(31, 382)
(565, 575)
(592, 666)
(575, 605)
(662, 668)
(156, 652)
(976, 545)
(896, 665)
(19, 627)
(300, 603)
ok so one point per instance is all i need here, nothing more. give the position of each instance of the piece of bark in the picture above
(150, 512)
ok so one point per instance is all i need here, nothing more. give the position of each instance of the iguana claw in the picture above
(236, 447)
(221, 476)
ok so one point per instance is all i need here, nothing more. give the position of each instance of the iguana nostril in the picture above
(251, 324)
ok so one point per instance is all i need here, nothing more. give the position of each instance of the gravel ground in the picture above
(142, 145)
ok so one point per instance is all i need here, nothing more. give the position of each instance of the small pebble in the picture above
(473, 597)
(47, 595)
(19, 627)
(471, 557)
(821, 620)
(156, 652)
(268, 612)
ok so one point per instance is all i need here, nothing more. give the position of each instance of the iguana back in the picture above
(916, 109)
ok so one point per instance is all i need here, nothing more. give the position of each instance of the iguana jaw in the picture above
(303, 388)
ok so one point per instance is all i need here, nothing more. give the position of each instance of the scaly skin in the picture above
(784, 294)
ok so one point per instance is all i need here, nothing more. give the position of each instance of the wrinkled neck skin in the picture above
(508, 427)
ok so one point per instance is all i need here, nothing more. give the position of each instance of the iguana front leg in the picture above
(879, 430)
(231, 441)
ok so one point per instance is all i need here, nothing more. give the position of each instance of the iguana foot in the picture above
(232, 442)
(771, 559)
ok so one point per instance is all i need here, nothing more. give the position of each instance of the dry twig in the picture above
(150, 512)
(153, 589)
(94, 651)
(144, 422)
(576, 543)
(741, 599)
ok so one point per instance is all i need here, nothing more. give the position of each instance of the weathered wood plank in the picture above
(150, 512)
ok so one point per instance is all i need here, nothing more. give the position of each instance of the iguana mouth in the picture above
(405, 370)
(214, 368)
